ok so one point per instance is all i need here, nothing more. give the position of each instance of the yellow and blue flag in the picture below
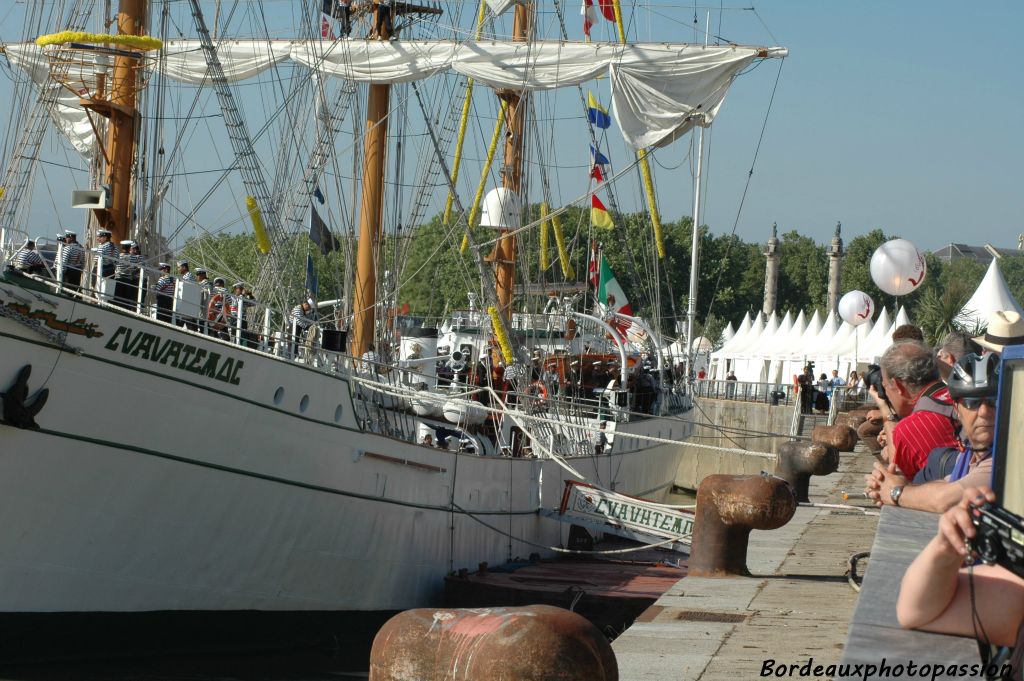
(596, 113)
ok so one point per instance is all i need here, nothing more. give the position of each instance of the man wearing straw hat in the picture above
(1005, 327)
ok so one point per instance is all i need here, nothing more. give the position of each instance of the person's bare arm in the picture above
(935, 594)
(937, 496)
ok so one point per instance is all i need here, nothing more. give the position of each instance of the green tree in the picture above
(803, 273)
(1012, 269)
(856, 268)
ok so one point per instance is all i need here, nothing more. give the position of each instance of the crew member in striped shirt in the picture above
(234, 302)
(302, 318)
(28, 260)
(124, 288)
(107, 251)
(184, 272)
(164, 293)
(72, 259)
(137, 261)
(205, 285)
(204, 282)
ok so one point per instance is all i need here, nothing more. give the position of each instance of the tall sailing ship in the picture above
(190, 452)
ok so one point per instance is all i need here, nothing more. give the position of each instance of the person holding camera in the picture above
(915, 404)
(806, 386)
(938, 593)
(973, 383)
(935, 595)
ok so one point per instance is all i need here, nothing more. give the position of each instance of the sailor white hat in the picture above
(70, 232)
(102, 232)
(164, 266)
(183, 263)
(127, 242)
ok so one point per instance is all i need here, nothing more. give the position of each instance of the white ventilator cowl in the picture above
(501, 209)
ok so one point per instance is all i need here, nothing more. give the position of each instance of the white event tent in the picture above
(992, 295)
(773, 351)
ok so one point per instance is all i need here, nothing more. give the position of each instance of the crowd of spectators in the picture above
(939, 411)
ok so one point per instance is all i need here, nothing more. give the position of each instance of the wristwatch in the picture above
(893, 416)
(895, 494)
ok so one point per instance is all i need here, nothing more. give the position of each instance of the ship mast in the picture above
(120, 110)
(364, 309)
(371, 208)
(504, 255)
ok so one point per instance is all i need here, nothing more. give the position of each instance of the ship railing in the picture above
(746, 391)
(255, 325)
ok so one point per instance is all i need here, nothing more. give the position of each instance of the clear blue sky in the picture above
(900, 115)
(904, 116)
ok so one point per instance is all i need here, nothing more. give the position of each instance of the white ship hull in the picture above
(164, 479)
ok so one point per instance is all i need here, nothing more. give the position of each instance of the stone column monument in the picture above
(771, 273)
(835, 261)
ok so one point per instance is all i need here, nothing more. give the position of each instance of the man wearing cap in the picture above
(72, 260)
(236, 304)
(164, 293)
(124, 288)
(203, 281)
(1005, 327)
(184, 272)
(27, 259)
(107, 251)
(137, 261)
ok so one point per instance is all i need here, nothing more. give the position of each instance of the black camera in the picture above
(62, 239)
(873, 379)
(1000, 538)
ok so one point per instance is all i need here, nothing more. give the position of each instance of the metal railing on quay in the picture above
(746, 391)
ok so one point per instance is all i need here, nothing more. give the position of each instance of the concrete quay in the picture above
(797, 605)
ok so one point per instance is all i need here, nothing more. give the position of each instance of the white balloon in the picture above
(856, 308)
(897, 267)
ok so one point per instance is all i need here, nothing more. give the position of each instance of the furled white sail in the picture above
(184, 60)
(659, 91)
(69, 117)
(499, 7)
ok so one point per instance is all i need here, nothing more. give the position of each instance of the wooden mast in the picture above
(370, 212)
(504, 255)
(364, 304)
(122, 128)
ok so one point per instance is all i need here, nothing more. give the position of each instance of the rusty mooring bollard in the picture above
(868, 434)
(842, 437)
(728, 508)
(797, 461)
(852, 420)
(528, 644)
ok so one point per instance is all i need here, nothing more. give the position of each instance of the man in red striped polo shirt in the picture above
(918, 411)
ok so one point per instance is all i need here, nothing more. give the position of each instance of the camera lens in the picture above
(988, 550)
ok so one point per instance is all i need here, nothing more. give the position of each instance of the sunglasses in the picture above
(974, 403)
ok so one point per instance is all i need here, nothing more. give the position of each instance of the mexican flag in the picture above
(610, 296)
